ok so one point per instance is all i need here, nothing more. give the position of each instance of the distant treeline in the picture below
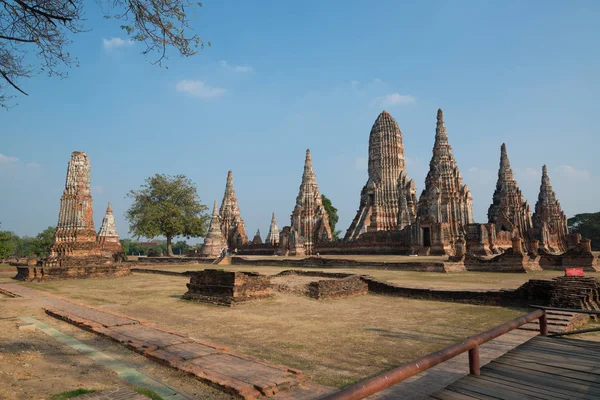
(12, 245)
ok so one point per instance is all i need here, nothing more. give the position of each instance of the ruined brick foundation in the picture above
(221, 287)
(337, 288)
(44, 273)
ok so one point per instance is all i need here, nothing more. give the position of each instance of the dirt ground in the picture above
(335, 342)
(434, 280)
(34, 365)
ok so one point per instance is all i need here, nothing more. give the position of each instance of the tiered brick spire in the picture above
(214, 240)
(273, 236)
(445, 198)
(108, 238)
(232, 224)
(309, 217)
(548, 213)
(508, 209)
(75, 234)
(257, 239)
(388, 199)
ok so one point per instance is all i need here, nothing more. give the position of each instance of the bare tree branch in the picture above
(11, 83)
(43, 27)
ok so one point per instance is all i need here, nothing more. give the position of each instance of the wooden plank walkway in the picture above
(437, 378)
(542, 368)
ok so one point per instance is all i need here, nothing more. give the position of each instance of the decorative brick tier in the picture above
(227, 288)
(39, 273)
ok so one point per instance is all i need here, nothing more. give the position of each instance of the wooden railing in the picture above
(386, 379)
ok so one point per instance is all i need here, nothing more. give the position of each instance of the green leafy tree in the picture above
(167, 206)
(35, 34)
(125, 245)
(27, 246)
(180, 247)
(333, 216)
(588, 225)
(44, 240)
(7, 244)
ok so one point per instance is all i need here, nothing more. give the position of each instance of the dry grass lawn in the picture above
(462, 280)
(335, 342)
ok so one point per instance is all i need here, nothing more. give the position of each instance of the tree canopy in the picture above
(11, 245)
(167, 206)
(333, 216)
(588, 225)
(35, 34)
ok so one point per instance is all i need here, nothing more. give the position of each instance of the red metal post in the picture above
(474, 361)
(544, 325)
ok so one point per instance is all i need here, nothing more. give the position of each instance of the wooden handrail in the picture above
(386, 379)
(569, 310)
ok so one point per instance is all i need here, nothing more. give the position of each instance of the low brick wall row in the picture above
(321, 262)
(38, 274)
(175, 260)
(162, 272)
(485, 297)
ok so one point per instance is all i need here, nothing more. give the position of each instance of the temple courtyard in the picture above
(333, 342)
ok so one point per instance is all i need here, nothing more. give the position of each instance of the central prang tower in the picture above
(388, 200)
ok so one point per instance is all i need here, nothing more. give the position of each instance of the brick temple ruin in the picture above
(391, 219)
(77, 250)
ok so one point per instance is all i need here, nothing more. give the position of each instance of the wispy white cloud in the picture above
(199, 89)
(394, 99)
(573, 173)
(7, 159)
(236, 68)
(361, 163)
(115, 43)
(355, 84)
(32, 165)
(97, 189)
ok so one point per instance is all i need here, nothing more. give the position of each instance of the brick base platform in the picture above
(38, 274)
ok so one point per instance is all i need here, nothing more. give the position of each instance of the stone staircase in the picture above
(559, 322)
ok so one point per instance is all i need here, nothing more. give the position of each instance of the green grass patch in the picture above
(70, 394)
(148, 393)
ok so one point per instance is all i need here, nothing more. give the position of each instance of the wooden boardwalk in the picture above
(541, 368)
(437, 378)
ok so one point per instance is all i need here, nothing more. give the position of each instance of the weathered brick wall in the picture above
(175, 260)
(39, 273)
(226, 288)
(429, 266)
(487, 297)
(337, 288)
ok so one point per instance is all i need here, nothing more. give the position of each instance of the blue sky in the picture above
(282, 76)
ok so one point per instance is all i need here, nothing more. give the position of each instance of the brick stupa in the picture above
(445, 198)
(309, 218)
(549, 220)
(108, 238)
(273, 235)
(75, 234)
(214, 240)
(232, 224)
(509, 210)
(388, 200)
(77, 251)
